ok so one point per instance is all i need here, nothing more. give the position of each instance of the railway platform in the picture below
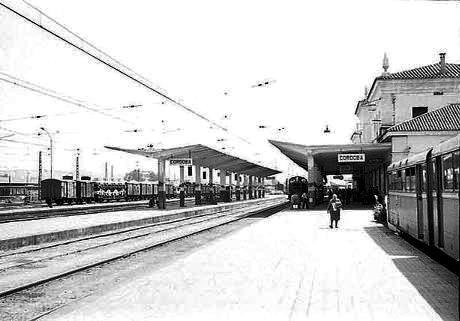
(289, 266)
(14, 235)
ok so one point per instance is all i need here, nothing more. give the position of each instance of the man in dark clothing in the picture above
(304, 201)
(334, 210)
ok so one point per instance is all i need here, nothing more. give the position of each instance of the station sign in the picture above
(180, 162)
(351, 158)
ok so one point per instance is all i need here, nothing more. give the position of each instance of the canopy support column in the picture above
(181, 188)
(197, 184)
(238, 187)
(211, 186)
(161, 184)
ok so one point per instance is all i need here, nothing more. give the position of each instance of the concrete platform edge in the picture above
(14, 243)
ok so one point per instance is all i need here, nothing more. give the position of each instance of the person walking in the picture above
(334, 210)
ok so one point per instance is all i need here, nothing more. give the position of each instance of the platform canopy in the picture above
(206, 157)
(329, 159)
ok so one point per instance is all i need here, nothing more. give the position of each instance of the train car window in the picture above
(413, 181)
(399, 181)
(448, 172)
(434, 175)
(456, 167)
(423, 187)
(410, 179)
(407, 180)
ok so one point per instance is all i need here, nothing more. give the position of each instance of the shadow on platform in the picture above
(418, 269)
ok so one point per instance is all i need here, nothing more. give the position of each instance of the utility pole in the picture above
(77, 165)
(40, 174)
(51, 150)
(106, 174)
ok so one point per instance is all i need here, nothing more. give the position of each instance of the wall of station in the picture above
(408, 94)
(408, 145)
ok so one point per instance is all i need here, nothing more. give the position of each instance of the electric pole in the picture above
(77, 165)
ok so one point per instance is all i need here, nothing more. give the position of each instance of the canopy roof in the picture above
(204, 156)
(325, 156)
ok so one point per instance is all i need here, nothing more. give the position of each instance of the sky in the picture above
(318, 56)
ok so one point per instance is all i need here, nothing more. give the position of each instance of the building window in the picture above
(417, 111)
(204, 175)
(189, 171)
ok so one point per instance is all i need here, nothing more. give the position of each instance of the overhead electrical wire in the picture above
(134, 76)
(53, 94)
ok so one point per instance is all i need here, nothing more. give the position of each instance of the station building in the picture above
(402, 114)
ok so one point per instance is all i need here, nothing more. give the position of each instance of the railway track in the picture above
(44, 212)
(26, 269)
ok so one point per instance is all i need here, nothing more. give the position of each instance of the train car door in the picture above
(430, 187)
(440, 216)
(419, 191)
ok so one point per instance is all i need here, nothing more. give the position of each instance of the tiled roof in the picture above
(426, 72)
(446, 118)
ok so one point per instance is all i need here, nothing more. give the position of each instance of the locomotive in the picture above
(297, 185)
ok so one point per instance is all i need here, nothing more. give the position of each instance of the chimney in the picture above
(442, 63)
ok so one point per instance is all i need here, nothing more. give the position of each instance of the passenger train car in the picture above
(424, 196)
(18, 192)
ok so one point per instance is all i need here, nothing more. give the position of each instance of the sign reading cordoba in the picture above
(180, 161)
(351, 158)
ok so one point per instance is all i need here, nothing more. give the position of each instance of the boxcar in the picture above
(58, 191)
(133, 190)
(147, 190)
(85, 191)
(423, 199)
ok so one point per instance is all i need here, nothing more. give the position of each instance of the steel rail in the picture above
(112, 242)
(45, 280)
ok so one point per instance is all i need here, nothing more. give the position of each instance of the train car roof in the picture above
(410, 161)
(447, 145)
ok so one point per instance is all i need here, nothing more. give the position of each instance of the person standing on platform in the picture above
(304, 198)
(334, 210)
